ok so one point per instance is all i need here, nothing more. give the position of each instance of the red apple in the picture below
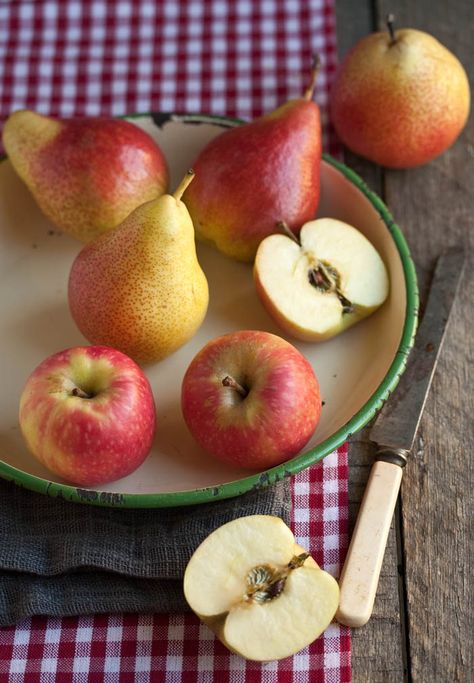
(251, 399)
(88, 414)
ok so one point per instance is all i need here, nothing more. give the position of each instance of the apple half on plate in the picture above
(321, 284)
(258, 590)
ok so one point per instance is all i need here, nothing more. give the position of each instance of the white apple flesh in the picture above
(251, 399)
(262, 594)
(318, 287)
(88, 415)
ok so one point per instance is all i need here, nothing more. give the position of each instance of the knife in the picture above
(394, 432)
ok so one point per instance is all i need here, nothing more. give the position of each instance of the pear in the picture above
(86, 174)
(399, 98)
(140, 288)
(249, 177)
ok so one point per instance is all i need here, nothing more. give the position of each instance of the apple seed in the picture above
(266, 583)
(325, 279)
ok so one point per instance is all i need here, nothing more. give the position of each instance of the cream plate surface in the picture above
(356, 370)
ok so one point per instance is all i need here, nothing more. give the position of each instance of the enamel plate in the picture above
(357, 370)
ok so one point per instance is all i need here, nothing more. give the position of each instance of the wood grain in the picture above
(377, 649)
(434, 206)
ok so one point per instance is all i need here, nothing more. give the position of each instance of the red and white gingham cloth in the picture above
(237, 58)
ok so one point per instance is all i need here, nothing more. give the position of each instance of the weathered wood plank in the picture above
(377, 648)
(434, 206)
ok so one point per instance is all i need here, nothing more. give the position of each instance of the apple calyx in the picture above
(266, 582)
(324, 277)
(315, 68)
(180, 190)
(229, 381)
(390, 21)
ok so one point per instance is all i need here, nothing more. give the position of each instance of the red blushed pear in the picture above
(251, 399)
(399, 98)
(86, 174)
(248, 177)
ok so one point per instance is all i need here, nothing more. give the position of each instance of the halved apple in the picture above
(322, 284)
(258, 590)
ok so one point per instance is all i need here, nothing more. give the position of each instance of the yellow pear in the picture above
(140, 288)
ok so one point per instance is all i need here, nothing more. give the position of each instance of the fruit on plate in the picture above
(251, 399)
(399, 98)
(86, 174)
(321, 284)
(261, 593)
(251, 176)
(140, 288)
(88, 415)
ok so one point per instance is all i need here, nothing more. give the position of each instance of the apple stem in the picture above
(178, 193)
(230, 382)
(80, 393)
(298, 561)
(282, 225)
(315, 68)
(390, 21)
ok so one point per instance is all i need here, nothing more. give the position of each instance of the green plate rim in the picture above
(301, 462)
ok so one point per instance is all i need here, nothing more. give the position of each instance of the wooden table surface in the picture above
(421, 629)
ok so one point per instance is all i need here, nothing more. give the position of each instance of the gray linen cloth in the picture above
(60, 558)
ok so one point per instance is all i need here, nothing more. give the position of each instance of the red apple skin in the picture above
(88, 441)
(277, 417)
(86, 174)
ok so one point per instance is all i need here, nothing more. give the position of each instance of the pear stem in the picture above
(231, 382)
(282, 225)
(390, 21)
(178, 193)
(315, 68)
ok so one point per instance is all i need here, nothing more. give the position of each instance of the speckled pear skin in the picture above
(140, 288)
(253, 176)
(401, 103)
(86, 174)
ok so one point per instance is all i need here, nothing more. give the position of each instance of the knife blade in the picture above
(394, 432)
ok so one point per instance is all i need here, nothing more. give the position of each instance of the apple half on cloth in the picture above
(258, 590)
(318, 286)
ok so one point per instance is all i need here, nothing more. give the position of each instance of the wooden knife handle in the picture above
(361, 571)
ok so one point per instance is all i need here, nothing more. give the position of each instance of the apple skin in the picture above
(86, 174)
(277, 417)
(402, 104)
(88, 441)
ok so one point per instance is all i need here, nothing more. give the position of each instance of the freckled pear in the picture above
(86, 174)
(250, 177)
(399, 98)
(140, 288)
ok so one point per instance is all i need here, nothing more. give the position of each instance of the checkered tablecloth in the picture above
(242, 58)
